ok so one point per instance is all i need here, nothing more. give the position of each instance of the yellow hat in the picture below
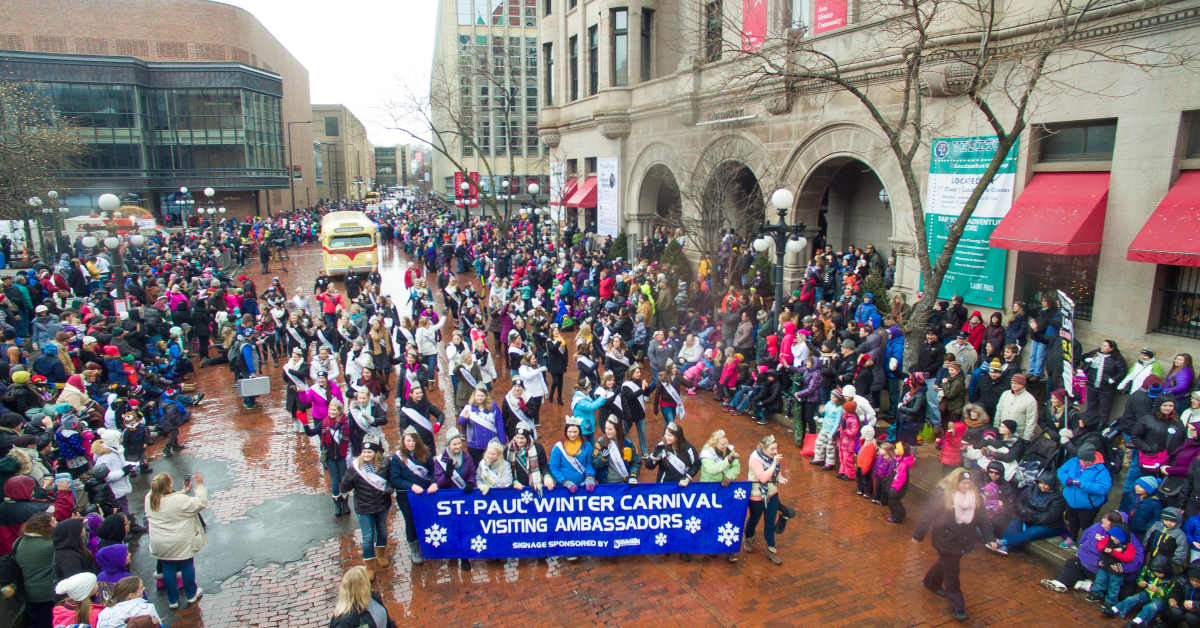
(20, 377)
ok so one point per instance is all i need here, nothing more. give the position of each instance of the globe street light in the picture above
(466, 188)
(788, 239)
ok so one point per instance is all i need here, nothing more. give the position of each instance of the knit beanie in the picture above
(1117, 534)
(1011, 425)
(1149, 483)
(78, 587)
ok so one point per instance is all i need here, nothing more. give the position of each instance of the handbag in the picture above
(810, 445)
(1171, 489)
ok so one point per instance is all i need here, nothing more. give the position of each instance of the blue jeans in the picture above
(1132, 475)
(766, 512)
(1037, 357)
(641, 429)
(668, 413)
(374, 532)
(1019, 534)
(186, 569)
(1107, 584)
(336, 469)
(1151, 609)
(741, 399)
(431, 362)
(931, 407)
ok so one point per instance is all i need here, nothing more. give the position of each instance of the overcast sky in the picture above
(358, 52)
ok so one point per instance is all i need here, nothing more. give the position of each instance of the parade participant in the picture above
(482, 421)
(493, 470)
(176, 532)
(454, 468)
(324, 363)
(425, 418)
(372, 502)
(426, 337)
(515, 408)
(556, 362)
(675, 459)
(571, 459)
(584, 407)
(469, 375)
(614, 458)
(765, 475)
(719, 462)
(954, 519)
(666, 394)
(357, 605)
(633, 395)
(295, 372)
(528, 460)
(413, 374)
(320, 396)
(533, 377)
(411, 471)
(366, 420)
(334, 430)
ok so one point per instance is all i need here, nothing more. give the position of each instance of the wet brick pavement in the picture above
(844, 565)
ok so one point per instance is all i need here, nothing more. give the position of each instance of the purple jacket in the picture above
(1089, 555)
(477, 435)
(812, 385)
(442, 473)
(1179, 386)
(1183, 456)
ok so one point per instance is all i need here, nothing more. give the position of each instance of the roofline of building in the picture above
(134, 61)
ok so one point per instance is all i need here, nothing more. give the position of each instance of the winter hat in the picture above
(1194, 571)
(1152, 380)
(1020, 378)
(78, 587)
(1059, 395)
(997, 467)
(1196, 395)
(867, 433)
(1154, 391)
(452, 433)
(1149, 483)
(1170, 514)
(20, 377)
(1117, 534)
(848, 391)
(111, 438)
(848, 344)
(850, 407)
(1011, 425)
(1086, 452)
(995, 365)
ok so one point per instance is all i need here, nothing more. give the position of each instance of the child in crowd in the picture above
(1144, 509)
(1165, 539)
(866, 461)
(847, 440)
(898, 482)
(1156, 586)
(825, 450)
(881, 470)
(1184, 606)
(1116, 552)
(134, 438)
(950, 446)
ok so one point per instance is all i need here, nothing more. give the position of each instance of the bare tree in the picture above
(446, 123)
(36, 145)
(986, 57)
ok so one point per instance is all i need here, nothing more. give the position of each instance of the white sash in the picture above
(372, 478)
(415, 468)
(609, 394)
(575, 463)
(465, 371)
(418, 418)
(480, 418)
(617, 358)
(320, 392)
(676, 463)
(295, 333)
(676, 398)
(287, 372)
(634, 388)
(364, 422)
(615, 459)
(516, 350)
(324, 340)
(587, 362)
(455, 476)
(516, 409)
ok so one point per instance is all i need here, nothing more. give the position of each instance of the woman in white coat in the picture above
(176, 532)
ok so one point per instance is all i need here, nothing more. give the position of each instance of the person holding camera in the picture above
(177, 532)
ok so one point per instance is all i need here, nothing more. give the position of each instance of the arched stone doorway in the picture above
(659, 198)
(733, 198)
(849, 212)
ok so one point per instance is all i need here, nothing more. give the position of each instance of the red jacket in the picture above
(20, 506)
(606, 287)
(951, 444)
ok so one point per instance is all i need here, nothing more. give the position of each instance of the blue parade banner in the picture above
(612, 520)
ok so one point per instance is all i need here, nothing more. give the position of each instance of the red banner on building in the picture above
(474, 189)
(458, 181)
(830, 16)
(754, 24)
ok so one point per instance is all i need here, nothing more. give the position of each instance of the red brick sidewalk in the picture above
(844, 565)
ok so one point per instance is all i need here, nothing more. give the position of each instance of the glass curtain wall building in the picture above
(150, 128)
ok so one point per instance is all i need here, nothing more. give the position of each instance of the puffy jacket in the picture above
(1152, 434)
(1041, 509)
(1089, 554)
(1094, 483)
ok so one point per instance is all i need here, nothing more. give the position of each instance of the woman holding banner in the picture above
(528, 460)
(411, 471)
(493, 470)
(571, 461)
(455, 469)
(675, 459)
(766, 466)
(372, 501)
(614, 458)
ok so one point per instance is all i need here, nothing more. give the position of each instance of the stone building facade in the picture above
(347, 156)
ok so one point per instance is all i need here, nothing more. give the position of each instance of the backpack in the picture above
(10, 569)
(1027, 473)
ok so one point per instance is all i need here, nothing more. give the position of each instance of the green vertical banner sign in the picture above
(977, 270)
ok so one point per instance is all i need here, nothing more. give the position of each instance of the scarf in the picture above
(964, 507)
(367, 472)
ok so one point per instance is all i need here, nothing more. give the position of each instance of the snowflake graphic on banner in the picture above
(739, 493)
(692, 524)
(478, 544)
(660, 539)
(728, 534)
(526, 497)
(435, 535)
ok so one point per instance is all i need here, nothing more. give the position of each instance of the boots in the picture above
(414, 553)
(370, 564)
(338, 506)
(345, 505)
(381, 555)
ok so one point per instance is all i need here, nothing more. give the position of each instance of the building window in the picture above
(620, 47)
(465, 12)
(571, 3)
(1078, 141)
(798, 14)
(647, 44)
(713, 31)
(589, 166)
(593, 60)
(1193, 142)
(1040, 274)
(573, 71)
(547, 6)
(548, 76)
(331, 126)
(1180, 301)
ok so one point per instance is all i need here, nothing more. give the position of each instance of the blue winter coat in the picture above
(1094, 484)
(1143, 514)
(562, 469)
(894, 349)
(868, 314)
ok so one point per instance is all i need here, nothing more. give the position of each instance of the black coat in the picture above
(1041, 509)
(556, 357)
(947, 535)
(1152, 434)
(666, 472)
(367, 498)
(359, 620)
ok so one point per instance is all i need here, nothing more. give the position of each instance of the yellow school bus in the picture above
(349, 243)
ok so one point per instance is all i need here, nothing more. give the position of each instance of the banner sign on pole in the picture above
(474, 189)
(1066, 332)
(608, 196)
(957, 163)
(612, 520)
(754, 24)
(830, 16)
(458, 181)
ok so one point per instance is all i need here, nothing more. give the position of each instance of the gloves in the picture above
(685, 481)
(589, 484)
(725, 481)
(468, 488)
(483, 490)
(571, 486)
(633, 480)
(437, 427)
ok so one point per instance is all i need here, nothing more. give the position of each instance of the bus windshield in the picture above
(349, 241)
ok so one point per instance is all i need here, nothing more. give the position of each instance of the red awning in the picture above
(1172, 234)
(1059, 213)
(585, 196)
(567, 191)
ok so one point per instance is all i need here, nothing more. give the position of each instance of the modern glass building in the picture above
(152, 127)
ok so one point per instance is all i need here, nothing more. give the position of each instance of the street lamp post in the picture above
(466, 201)
(505, 196)
(787, 239)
